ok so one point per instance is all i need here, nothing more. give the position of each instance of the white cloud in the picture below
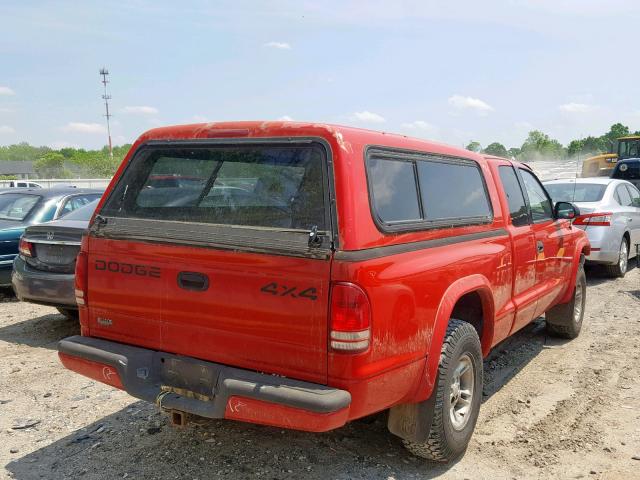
(418, 125)
(278, 45)
(140, 110)
(460, 102)
(285, 118)
(421, 128)
(576, 108)
(6, 91)
(6, 129)
(80, 127)
(368, 117)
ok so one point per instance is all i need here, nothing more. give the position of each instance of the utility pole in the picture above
(104, 72)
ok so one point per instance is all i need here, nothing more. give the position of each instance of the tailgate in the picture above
(229, 264)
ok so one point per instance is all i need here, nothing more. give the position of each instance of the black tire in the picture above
(619, 269)
(565, 320)
(446, 442)
(71, 313)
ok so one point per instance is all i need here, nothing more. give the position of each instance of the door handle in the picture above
(195, 281)
(540, 246)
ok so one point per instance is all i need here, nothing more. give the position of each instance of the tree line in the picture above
(79, 163)
(66, 162)
(539, 145)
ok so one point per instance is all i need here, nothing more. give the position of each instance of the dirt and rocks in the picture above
(552, 409)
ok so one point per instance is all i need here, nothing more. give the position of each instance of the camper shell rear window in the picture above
(249, 185)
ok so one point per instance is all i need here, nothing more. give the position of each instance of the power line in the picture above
(104, 72)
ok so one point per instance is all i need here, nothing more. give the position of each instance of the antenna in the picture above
(104, 72)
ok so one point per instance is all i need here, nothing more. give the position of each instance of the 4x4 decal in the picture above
(283, 291)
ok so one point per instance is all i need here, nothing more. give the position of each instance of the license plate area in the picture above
(187, 377)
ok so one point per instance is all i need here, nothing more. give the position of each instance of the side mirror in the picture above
(566, 211)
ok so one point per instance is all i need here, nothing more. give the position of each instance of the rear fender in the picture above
(583, 248)
(473, 283)
(412, 421)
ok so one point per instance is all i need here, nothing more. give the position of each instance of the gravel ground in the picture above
(552, 409)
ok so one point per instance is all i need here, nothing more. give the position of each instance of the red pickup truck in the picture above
(308, 275)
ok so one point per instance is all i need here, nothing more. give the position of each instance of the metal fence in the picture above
(53, 182)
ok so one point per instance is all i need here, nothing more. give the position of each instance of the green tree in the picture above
(538, 146)
(51, 165)
(587, 146)
(616, 131)
(496, 149)
(514, 152)
(474, 147)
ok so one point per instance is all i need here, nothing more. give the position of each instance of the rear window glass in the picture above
(15, 206)
(575, 192)
(394, 190)
(452, 190)
(414, 191)
(256, 186)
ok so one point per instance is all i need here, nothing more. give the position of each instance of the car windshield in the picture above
(576, 192)
(17, 206)
(82, 213)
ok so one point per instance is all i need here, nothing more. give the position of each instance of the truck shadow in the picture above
(44, 331)
(137, 441)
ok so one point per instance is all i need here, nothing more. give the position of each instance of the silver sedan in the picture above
(609, 214)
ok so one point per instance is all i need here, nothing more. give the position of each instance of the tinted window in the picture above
(393, 186)
(623, 196)
(15, 206)
(538, 200)
(83, 213)
(451, 190)
(75, 202)
(575, 192)
(263, 186)
(515, 197)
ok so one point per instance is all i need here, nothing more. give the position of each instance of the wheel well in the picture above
(628, 238)
(469, 309)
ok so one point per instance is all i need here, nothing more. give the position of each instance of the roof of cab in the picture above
(343, 137)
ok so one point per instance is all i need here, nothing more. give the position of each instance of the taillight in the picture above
(82, 267)
(26, 248)
(350, 329)
(594, 219)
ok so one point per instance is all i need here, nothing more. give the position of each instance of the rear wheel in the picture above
(619, 269)
(70, 313)
(565, 320)
(458, 395)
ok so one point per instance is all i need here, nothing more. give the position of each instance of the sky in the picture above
(449, 71)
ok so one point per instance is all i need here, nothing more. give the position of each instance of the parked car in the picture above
(628, 170)
(23, 184)
(31, 206)
(354, 272)
(43, 272)
(609, 214)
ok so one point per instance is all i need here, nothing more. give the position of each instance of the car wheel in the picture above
(565, 320)
(619, 269)
(458, 396)
(70, 313)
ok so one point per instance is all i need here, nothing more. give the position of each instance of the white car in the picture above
(609, 214)
(23, 184)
